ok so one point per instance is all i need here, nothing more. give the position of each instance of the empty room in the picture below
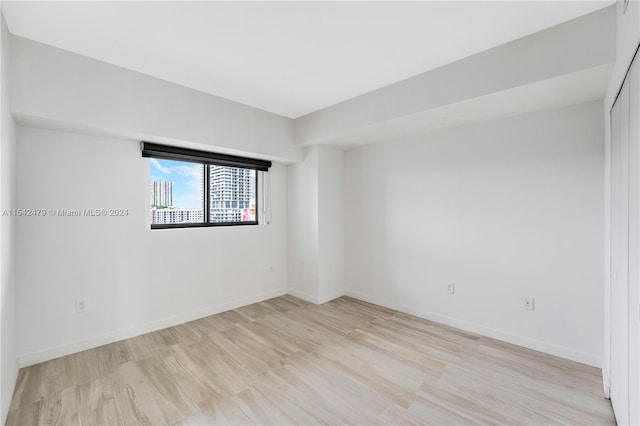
(320, 213)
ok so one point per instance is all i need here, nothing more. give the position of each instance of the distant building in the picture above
(176, 215)
(232, 193)
(161, 193)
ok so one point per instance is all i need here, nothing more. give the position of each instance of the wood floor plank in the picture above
(217, 368)
(138, 347)
(280, 304)
(218, 410)
(134, 397)
(170, 395)
(434, 413)
(296, 324)
(318, 327)
(290, 334)
(395, 380)
(284, 361)
(97, 404)
(27, 385)
(278, 339)
(345, 395)
(420, 339)
(261, 410)
(296, 405)
(86, 366)
(26, 414)
(186, 374)
(111, 357)
(398, 351)
(292, 392)
(374, 310)
(542, 366)
(190, 332)
(234, 317)
(394, 415)
(161, 339)
(292, 299)
(256, 311)
(44, 379)
(213, 323)
(248, 362)
(61, 408)
(254, 344)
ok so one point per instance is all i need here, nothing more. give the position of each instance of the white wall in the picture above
(331, 222)
(303, 228)
(315, 229)
(8, 366)
(135, 279)
(55, 88)
(504, 210)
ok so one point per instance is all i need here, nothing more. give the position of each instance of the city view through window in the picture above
(178, 193)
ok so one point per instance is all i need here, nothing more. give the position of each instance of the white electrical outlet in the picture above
(528, 303)
(451, 288)
(81, 306)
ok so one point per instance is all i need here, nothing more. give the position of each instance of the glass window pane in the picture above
(232, 194)
(177, 192)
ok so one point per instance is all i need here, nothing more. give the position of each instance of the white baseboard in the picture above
(304, 296)
(316, 300)
(330, 297)
(7, 392)
(606, 382)
(538, 345)
(26, 360)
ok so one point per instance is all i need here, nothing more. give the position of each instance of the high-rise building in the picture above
(232, 194)
(161, 193)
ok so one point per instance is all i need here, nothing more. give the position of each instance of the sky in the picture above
(186, 177)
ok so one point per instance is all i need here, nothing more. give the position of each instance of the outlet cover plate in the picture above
(529, 303)
(81, 306)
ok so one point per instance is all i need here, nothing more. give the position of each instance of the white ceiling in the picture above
(290, 58)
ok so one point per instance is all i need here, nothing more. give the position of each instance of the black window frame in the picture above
(207, 159)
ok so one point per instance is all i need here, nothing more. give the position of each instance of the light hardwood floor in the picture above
(284, 361)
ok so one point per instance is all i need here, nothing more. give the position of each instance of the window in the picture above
(195, 188)
(177, 192)
(233, 194)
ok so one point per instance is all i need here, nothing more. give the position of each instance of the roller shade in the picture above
(185, 154)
